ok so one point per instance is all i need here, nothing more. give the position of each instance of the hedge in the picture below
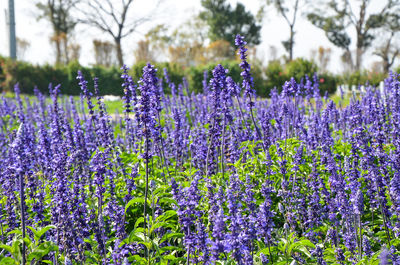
(265, 79)
(278, 73)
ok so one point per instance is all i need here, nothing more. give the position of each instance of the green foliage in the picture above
(337, 17)
(397, 70)
(277, 74)
(362, 78)
(336, 24)
(334, 28)
(225, 22)
(30, 76)
(37, 248)
(300, 67)
(196, 75)
(274, 75)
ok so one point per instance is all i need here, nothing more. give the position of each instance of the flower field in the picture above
(221, 177)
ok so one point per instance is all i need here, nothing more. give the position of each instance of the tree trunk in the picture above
(348, 59)
(386, 64)
(58, 48)
(359, 53)
(66, 54)
(291, 40)
(119, 51)
(361, 34)
(359, 49)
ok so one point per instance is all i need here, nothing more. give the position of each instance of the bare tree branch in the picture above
(113, 19)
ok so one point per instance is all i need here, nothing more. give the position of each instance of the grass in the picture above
(112, 106)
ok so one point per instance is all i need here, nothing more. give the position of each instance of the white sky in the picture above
(173, 13)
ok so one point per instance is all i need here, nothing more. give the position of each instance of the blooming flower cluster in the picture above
(196, 178)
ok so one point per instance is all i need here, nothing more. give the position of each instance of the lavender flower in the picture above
(88, 95)
(248, 82)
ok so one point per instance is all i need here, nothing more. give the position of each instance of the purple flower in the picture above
(384, 257)
(146, 109)
(88, 95)
(129, 90)
(248, 82)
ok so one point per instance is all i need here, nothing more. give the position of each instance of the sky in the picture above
(172, 13)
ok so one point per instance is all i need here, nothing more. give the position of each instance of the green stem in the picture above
(223, 148)
(162, 149)
(270, 254)
(145, 197)
(100, 221)
(242, 115)
(22, 198)
(383, 216)
(208, 154)
(361, 237)
(256, 127)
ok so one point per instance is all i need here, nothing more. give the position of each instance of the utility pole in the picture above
(11, 29)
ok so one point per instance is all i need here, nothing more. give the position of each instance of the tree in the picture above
(388, 49)
(340, 17)
(58, 13)
(185, 45)
(114, 19)
(143, 52)
(290, 16)
(22, 46)
(224, 22)
(273, 53)
(74, 51)
(104, 52)
(218, 51)
(322, 57)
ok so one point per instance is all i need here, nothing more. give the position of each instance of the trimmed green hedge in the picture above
(195, 75)
(265, 79)
(30, 76)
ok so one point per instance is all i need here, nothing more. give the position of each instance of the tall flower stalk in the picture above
(147, 122)
(18, 148)
(248, 82)
(217, 84)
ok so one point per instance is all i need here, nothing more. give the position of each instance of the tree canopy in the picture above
(339, 16)
(58, 13)
(225, 22)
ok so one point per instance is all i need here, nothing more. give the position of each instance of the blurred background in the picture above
(345, 42)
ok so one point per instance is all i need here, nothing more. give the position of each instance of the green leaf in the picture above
(136, 236)
(266, 251)
(43, 231)
(42, 250)
(168, 201)
(138, 222)
(160, 224)
(166, 215)
(139, 259)
(133, 201)
(7, 248)
(301, 246)
(171, 235)
(169, 248)
(16, 231)
(8, 261)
